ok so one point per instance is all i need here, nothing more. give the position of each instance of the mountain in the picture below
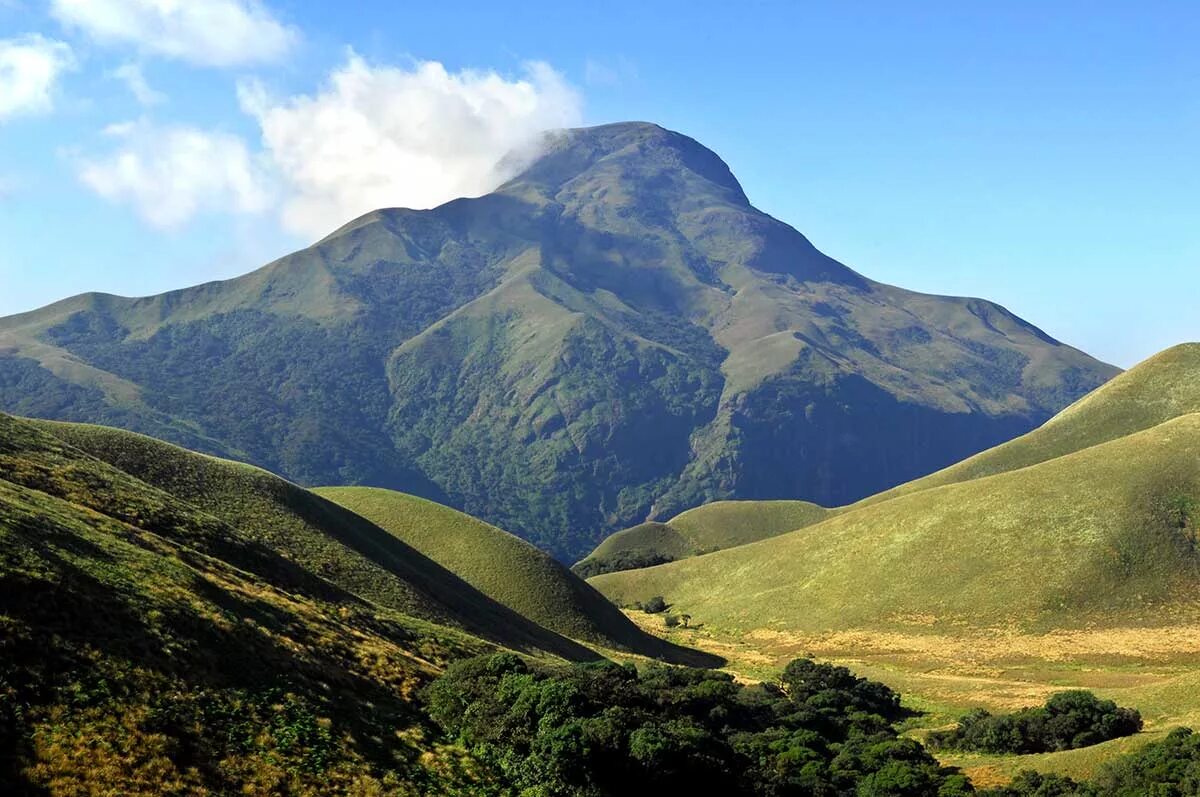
(1091, 521)
(707, 528)
(614, 335)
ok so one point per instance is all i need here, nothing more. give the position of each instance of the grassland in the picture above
(1163, 387)
(318, 535)
(711, 527)
(507, 569)
(148, 647)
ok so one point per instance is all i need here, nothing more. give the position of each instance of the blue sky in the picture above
(1042, 155)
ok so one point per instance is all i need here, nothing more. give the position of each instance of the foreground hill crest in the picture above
(613, 335)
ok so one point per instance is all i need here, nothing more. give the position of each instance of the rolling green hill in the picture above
(707, 528)
(614, 335)
(1103, 530)
(318, 535)
(1163, 387)
(146, 646)
(505, 568)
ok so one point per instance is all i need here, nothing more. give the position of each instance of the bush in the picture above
(671, 621)
(655, 605)
(1069, 720)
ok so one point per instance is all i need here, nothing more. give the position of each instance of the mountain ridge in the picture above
(613, 335)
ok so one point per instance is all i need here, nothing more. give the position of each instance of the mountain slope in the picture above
(320, 542)
(1103, 535)
(707, 528)
(614, 335)
(147, 647)
(505, 568)
(1159, 389)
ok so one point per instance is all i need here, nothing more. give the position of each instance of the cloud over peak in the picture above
(385, 136)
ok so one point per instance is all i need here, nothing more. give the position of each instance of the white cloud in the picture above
(384, 136)
(204, 32)
(168, 174)
(135, 80)
(29, 70)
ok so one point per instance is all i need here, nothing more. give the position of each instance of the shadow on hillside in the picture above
(58, 620)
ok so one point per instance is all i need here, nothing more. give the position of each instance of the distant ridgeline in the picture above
(614, 335)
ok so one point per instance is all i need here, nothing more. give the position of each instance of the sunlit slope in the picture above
(711, 527)
(1161, 388)
(724, 524)
(1102, 535)
(501, 566)
(319, 536)
(148, 646)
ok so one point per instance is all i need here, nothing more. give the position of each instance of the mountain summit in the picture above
(615, 334)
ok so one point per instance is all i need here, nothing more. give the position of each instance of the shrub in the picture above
(655, 605)
(1069, 720)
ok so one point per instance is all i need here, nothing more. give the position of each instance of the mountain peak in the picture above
(642, 152)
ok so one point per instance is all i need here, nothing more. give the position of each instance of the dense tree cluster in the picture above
(1169, 768)
(618, 561)
(599, 729)
(1069, 720)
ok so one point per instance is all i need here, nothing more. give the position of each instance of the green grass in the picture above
(320, 536)
(1163, 387)
(711, 527)
(1085, 538)
(504, 568)
(1065, 558)
(725, 524)
(148, 646)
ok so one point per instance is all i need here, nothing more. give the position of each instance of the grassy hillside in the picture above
(505, 568)
(1090, 520)
(615, 334)
(147, 647)
(319, 535)
(1163, 387)
(725, 524)
(1104, 535)
(711, 527)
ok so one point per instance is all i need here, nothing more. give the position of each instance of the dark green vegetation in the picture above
(614, 335)
(1100, 532)
(607, 729)
(1069, 720)
(708, 528)
(1170, 768)
(506, 569)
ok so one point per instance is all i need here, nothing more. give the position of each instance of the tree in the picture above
(655, 605)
